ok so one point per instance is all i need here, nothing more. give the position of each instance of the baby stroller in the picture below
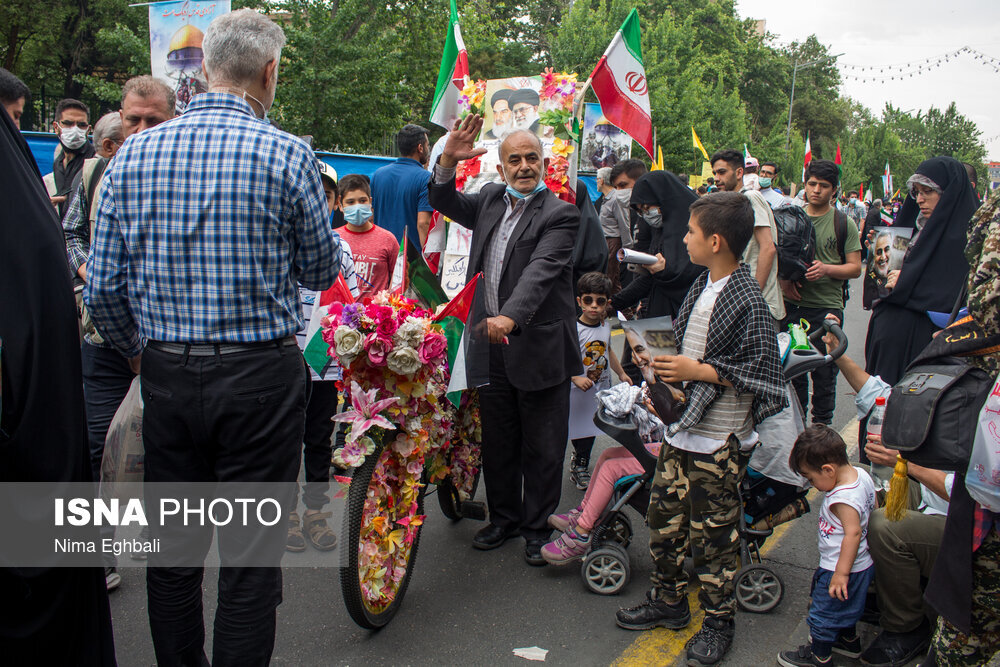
(606, 568)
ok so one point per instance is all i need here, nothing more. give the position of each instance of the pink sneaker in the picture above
(566, 548)
(563, 522)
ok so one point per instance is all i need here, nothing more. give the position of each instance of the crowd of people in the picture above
(197, 246)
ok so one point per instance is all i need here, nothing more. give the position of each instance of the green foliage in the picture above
(355, 71)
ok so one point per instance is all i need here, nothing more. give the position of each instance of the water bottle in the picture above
(880, 474)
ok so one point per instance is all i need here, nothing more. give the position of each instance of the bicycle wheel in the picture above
(368, 610)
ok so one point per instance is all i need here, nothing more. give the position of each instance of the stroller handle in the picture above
(816, 339)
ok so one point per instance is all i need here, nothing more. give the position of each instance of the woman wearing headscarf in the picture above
(49, 615)
(662, 200)
(938, 207)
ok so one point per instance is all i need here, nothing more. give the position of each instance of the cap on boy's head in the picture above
(327, 172)
(728, 214)
(524, 96)
(751, 162)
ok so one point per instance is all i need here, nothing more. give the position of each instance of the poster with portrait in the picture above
(650, 338)
(885, 255)
(601, 143)
(176, 32)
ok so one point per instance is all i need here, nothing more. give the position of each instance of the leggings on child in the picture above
(613, 464)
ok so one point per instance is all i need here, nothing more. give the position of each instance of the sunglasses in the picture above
(590, 300)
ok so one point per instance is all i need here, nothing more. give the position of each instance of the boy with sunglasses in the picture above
(594, 332)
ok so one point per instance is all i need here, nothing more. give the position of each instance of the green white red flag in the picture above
(808, 157)
(619, 81)
(452, 77)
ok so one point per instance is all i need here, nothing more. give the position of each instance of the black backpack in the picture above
(796, 242)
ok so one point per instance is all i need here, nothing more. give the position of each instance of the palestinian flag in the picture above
(316, 351)
(619, 81)
(452, 77)
(460, 312)
(412, 277)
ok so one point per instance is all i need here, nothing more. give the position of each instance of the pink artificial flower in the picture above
(365, 414)
(433, 347)
(378, 348)
(386, 327)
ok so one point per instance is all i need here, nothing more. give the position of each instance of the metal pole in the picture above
(791, 101)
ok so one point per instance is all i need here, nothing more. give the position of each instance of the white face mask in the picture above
(73, 137)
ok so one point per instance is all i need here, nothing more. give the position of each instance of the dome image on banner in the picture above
(184, 58)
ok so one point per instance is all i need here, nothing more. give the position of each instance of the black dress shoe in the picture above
(533, 552)
(492, 536)
(897, 648)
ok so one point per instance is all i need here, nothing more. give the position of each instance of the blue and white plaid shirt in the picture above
(206, 223)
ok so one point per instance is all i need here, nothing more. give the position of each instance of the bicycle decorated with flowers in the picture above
(406, 431)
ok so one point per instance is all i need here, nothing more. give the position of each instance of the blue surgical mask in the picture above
(764, 182)
(358, 214)
(520, 195)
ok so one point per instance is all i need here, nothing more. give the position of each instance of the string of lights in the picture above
(907, 70)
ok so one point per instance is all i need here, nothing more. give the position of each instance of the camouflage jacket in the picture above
(983, 254)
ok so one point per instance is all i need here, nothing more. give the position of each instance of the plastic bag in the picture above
(983, 477)
(777, 435)
(123, 450)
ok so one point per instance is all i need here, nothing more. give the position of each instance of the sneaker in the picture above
(567, 547)
(111, 578)
(563, 522)
(710, 644)
(579, 473)
(295, 542)
(802, 657)
(318, 532)
(897, 648)
(849, 647)
(654, 614)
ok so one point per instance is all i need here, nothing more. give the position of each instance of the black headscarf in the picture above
(935, 267)
(58, 615)
(591, 250)
(674, 199)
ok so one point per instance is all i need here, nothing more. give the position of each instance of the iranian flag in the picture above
(887, 180)
(619, 81)
(808, 157)
(453, 319)
(317, 350)
(839, 161)
(452, 77)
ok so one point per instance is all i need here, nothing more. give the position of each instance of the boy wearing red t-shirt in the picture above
(374, 249)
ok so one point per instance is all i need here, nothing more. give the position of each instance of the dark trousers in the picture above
(524, 442)
(227, 418)
(106, 380)
(318, 450)
(824, 380)
(582, 448)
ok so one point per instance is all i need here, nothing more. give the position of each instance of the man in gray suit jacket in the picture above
(522, 241)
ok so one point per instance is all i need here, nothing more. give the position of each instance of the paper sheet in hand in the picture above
(628, 256)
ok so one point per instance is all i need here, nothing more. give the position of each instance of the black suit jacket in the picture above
(536, 286)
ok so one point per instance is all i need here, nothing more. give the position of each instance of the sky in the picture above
(890, 32)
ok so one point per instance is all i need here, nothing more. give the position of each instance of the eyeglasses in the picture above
(82, 124)
(590, 300)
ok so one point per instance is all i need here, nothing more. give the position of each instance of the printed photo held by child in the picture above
(593, 294)
(840, 583)
(732, 377)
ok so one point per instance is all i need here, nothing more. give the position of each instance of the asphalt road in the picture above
(466, 607)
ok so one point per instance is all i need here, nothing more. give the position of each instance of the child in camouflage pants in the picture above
(729, 363)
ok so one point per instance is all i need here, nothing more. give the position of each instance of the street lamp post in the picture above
(791, 98)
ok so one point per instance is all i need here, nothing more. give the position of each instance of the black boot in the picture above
(710, 645)
(654, 614)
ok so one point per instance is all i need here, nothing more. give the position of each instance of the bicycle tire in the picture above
(350, 584)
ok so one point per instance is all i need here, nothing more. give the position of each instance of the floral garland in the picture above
(391, 347)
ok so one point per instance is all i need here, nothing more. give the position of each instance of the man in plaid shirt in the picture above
(206, 224)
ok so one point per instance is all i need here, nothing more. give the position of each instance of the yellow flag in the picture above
(658, 163)
(697, 142)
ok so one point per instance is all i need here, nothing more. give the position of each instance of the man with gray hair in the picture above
(205, 226)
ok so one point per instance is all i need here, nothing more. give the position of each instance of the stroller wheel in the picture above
(606, 569)
(758, 589)
(620, 530)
